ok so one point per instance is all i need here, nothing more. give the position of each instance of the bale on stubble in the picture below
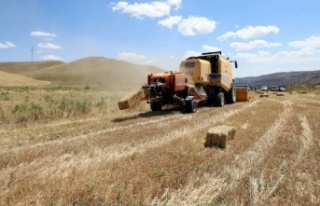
(264, 95)
(131, 99)
(280, 94)
(218, 136)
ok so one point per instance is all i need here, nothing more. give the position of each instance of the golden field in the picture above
(63, 146)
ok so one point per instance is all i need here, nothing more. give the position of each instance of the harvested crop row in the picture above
(213, 184)
(92, 157)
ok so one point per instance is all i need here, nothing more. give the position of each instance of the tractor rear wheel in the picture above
(231, 96)
(220, 99)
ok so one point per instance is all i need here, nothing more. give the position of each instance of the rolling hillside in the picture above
(91, 71)
(9, 79)
(27, 68)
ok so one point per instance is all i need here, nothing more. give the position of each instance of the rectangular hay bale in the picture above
(218, 136)
(131, 99)
(264, 95)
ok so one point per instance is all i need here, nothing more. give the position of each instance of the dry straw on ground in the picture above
(218, 136)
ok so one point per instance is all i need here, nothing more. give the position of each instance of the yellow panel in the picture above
(242, 95)
(196, 70)
(202, 69)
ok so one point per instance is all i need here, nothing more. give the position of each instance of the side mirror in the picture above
(235, 63)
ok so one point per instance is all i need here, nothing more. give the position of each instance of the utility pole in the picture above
(32, 53)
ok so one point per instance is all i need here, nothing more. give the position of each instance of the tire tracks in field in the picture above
(307, 141)
(65, 140)
(261, 191)
(213, 184)
(166, 120)
(116, 152)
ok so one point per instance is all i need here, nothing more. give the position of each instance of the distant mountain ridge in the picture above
(282, 78)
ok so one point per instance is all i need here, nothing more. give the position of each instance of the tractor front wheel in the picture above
(191, 106)
(155, 106)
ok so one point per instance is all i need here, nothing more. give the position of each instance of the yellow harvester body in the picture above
(217, 72)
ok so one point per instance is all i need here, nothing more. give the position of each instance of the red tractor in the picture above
(170, 88)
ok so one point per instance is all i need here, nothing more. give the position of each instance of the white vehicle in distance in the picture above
(264, 88)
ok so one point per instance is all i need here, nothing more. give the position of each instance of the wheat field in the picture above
(74, 147)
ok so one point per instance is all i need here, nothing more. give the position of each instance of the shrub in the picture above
(36, 111)
(83, 106)
(4, 96)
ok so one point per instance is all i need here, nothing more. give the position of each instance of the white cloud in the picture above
(207, 48)
(6, 45)
(190, 26)
(299, 56)
(311, 42)
(263, 53)
(169, 22)
(191, 54)
(49, 46)
(151, 9)
(176, 3)
(50, 57)
(250, 32)
(196, 25)
(134, 58)
(39, 52)
(42, 34)
(253, 44)
(204, 48)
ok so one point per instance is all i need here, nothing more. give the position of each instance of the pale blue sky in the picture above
(263, 36)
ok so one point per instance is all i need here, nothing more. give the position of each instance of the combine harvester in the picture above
(202, 80)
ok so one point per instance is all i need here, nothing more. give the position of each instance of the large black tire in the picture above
(231, 96)
(191, 106)
(155, 106)
(220, 99)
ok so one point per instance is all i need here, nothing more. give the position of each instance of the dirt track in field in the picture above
(140, 157)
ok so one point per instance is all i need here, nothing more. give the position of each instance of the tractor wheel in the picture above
(220, 99)
(155, 106)
(231, 96)
(191, 106)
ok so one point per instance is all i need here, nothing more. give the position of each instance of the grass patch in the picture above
(27, 104)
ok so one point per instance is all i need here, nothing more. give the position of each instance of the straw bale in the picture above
(280, 94)
(131, 99)
(264, 95)
(218, 136)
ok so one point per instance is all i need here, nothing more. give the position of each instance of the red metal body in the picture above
(175, 81)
